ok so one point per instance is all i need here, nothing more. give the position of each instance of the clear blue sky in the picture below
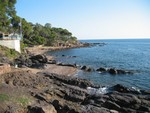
(91, 19)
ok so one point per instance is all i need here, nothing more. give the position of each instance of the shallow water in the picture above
(121, 54)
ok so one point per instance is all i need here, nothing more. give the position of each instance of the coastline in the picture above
(49, 87)
(54, 68)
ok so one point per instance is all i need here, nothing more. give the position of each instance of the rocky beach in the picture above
(42, 85)
(74, 56)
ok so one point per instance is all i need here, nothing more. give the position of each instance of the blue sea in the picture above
(127, 54)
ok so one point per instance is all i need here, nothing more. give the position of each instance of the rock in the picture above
(74, 56)
(114, 111)
(144, 108)
(69, 65)
(111, 105)
(120, 88)
(6, 60)
(52, 62)
(112, 71)
(51, 93)
(42, 109)
(39, 58)
(37, 61)
(82, 83)
(63, 108)
(5, 68)
(83, 68)
(119, 71)
(88, 69)
(129, 101)
(145, 92)
(95, 109)
(123, 89)
(101, 69)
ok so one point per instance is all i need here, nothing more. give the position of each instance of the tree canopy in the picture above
(33, 34)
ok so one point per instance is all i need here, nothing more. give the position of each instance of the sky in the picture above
(91, 19)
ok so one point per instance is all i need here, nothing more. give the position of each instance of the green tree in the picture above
(7, 11)
(48, 25)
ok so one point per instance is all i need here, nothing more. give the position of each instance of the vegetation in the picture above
(19, 100)
(23, 101)
(33, 34)
(6, 52)
(4, 97)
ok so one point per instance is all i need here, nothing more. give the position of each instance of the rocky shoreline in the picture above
(43, 49)
(52, 93)
(22, 91)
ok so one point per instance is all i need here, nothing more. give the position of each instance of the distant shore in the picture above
(43, 49)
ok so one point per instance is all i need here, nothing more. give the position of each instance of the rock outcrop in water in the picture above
(114, 71)
(39, 61)
(51, 93)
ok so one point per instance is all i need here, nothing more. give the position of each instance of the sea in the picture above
(125, 54)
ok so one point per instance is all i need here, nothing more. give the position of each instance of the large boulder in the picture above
(22, 61)
(39, 58)
(35, 61)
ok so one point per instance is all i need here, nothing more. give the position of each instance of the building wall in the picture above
(13, 44)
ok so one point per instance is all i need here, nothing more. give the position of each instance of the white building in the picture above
(10, 40)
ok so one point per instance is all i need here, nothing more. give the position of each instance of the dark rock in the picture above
(35, 109)
(37, 61)
(145, 92)
(69, 65)
(111, 105)
(125, 100)
(123, 89)
(83, 68)
(47, 108)
(63, 94)
(120, 88)
(112, 71)
(39, 58)
(40, 97)
(144, 108)
(62, 108)
(101, 69)
(88, 69)
(52, 62)
(119, 71)
(82, 83)
(94, 109)
(74, 56)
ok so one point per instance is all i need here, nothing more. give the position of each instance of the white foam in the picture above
(135, 89)
(94, 91)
